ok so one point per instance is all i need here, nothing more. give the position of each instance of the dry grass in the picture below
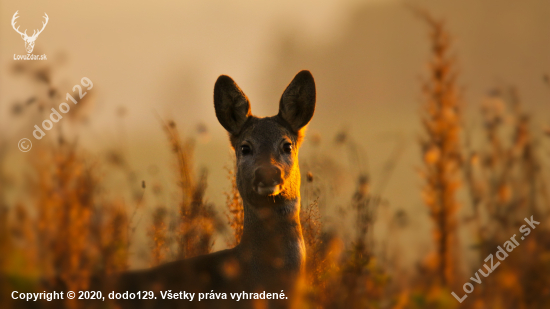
(507, 183)
(158, 233)
(235, 211)
(441, 150)
(192, 225)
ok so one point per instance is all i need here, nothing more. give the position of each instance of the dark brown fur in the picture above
(271, 254)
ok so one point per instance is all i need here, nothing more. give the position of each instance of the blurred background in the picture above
(429, 145)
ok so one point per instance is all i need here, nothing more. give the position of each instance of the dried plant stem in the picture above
(441, 148)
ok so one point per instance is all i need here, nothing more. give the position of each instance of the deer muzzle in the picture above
(268, 180)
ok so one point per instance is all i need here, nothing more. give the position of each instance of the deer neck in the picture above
(272, 235)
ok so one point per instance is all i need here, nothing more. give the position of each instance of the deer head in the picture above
(29, 40)
(266, 149)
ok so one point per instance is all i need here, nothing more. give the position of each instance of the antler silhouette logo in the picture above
(29, 40)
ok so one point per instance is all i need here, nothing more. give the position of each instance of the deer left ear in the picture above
(298, 101)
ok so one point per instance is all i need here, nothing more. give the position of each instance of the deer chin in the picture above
(264, 190)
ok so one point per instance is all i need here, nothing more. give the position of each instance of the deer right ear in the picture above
(298, 101)
(231, 105)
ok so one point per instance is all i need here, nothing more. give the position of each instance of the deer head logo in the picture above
(29, 40)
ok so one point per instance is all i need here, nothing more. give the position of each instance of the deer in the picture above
(271, 254)
(29, 40)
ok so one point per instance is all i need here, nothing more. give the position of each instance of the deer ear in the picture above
(298, 101)
(231, 104)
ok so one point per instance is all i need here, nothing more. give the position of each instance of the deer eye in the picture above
(245, 150)
(287, 147)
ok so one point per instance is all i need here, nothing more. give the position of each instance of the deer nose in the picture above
(267, 176)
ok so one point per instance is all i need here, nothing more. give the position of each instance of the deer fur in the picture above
(271, 255)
